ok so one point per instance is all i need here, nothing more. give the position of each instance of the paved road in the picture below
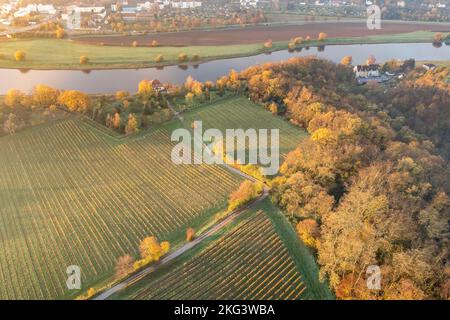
(188, 246)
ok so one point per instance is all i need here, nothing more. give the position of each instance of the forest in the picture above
(370, 185)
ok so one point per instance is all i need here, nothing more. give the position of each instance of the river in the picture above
(109, 81)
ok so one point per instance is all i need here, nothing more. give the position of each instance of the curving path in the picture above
(186, 247)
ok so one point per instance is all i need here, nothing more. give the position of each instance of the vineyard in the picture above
(248, 262)
(240, 113)
(70, 195)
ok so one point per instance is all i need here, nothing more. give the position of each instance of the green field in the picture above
(248, 261)
(240, 113)
(65, 54)
(70, 194)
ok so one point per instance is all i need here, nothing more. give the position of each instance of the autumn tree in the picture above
(132, 124)
(159, 58)
(246, 192)
(124, 266)
(74, 100)
(13, 98)
(438, 37)
(268, 44)
(273, 108)
(189, 98)
(182, 57)
(347, 60)
(308, 231)
(84, 60)
(20, 55)
(154, 43)
(190, 234)
(122, 95)
(60, 33)
(116, 121)
(322, 36)
(44, 96)
(152, 250)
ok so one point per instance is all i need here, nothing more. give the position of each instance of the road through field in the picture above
(186, 247)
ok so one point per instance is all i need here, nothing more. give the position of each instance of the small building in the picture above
(367, 71)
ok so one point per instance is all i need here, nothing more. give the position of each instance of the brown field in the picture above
(257, 34)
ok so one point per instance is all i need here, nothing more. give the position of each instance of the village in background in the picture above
(103, 15)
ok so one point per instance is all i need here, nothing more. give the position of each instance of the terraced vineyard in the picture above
(248, 262)
(70, 195)
(240, 113)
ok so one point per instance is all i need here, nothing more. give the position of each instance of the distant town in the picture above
(101, 15)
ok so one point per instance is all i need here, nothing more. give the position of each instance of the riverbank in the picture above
(53, 54)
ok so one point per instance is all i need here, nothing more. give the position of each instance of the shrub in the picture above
(182, 57)
(247, 191)
(268, 44)
(322, 36)
(190, 234)
(159, 58)
(84, 60)
(308, 232)
(19, 55)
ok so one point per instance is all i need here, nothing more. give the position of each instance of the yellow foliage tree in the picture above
(13, 98)
(20, 55)
(74, 100)
(189, 98)
(60, 33)
(347, 60)
(322, 36)
(152, 250)
(121, 95)
(45, 96)
(308, 232)
(247, 191)
(190, 234)
(182, 57)
(84, 60)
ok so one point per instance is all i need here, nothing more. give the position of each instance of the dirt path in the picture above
(188, 246)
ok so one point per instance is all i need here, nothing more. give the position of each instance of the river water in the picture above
(109, 81)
